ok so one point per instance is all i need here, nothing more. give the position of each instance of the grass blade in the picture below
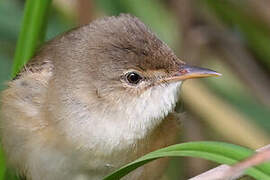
(223, 153)
(32, 32)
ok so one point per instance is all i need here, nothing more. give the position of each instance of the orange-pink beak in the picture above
(190, 72)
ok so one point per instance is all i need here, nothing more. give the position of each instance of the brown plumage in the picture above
(92, 100)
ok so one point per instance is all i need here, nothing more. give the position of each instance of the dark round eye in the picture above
(133, 78)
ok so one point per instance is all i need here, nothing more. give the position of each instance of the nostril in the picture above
(183, 71)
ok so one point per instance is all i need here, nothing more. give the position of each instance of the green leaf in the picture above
(219, 152)
(2, 165)
(32, 33)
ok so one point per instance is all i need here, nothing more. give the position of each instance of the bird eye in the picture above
(133, 78)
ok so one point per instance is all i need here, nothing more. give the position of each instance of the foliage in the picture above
(223, 153)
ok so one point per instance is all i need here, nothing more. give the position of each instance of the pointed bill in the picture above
(191, 72)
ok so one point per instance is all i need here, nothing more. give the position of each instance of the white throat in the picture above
(121, 128)
(151, 107)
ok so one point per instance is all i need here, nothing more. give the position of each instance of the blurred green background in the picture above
(229, 36)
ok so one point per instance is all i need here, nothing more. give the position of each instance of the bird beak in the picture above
(191, 72)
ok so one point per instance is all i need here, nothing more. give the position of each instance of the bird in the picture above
(92, 100)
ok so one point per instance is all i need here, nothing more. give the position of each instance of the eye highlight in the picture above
(133, 77)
